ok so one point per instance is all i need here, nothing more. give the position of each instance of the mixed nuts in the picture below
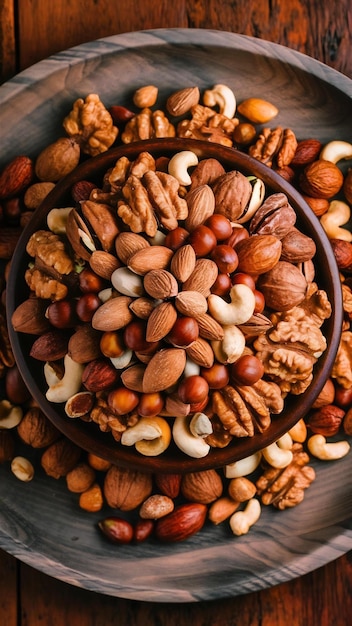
(182, 279)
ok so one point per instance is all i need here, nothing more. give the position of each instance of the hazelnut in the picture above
(327, 420)
(80, 478)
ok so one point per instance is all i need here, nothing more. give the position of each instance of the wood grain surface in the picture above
(31, 30)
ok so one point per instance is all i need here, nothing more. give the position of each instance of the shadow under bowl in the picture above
(87, 434)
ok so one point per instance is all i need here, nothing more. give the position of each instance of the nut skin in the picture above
(306, 152)
(60, 458)
(99, 375)
(168, 484)
(343, 254)
(185, 520)
(326, 421)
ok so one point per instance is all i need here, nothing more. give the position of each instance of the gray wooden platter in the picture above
(40, 522)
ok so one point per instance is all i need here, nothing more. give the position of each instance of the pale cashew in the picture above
(223, 97)
(124, 359)
(241, 521)
(336, 216)
(256, 200)
(127, 282)
(10, 415)
(191, 368)
(238, 311)
(321, 449)
(50, 375)
(195, 447)
(243, 467)
(277, 457)
(56, 220)
(336, 150)
(200, 425)
(231, 346)
(298, 432)
(150, 436)
(179, 164)
(285, 442)
(69, 384)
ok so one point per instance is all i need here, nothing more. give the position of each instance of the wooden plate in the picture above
(39, 521)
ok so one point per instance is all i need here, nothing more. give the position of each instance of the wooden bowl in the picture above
(87, 435)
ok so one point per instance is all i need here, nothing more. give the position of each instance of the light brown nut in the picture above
(241, 489)
(57, 160)
(204, 487)
(92, 499)
(164, 369)
(80, 478)
(180, 102)
(22, 468)
(156, 506)
(126, 489)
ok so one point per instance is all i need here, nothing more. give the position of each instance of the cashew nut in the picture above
(336, 150)
(62, 389)
(56, 220)
(238, 311)
(10, 415)
(191, 368)
(231, 346)
(241, 521)
(298, 432)
(195, 447)
(179, 164)
(124, 359)
(337, 214)
(321, 449)
(256, 200)
(285, 442)
(277, 457)
(243, 467)
(223, 97)
(127, 282)
(200, 425)
(150, 436)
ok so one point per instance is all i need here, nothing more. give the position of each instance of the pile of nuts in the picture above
(155, 274)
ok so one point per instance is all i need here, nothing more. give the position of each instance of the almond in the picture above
(132, 377)
(184, 521)
(103, 263)
(150, 258)
(201, 353)
(16, 176)
(183, 262)
(113, 314)
(164, 369)
(84, 344)
(201, 205)
(202, 278)
(127, 244)
(208, 327)
(306, 152)
(142, 307)
(191, 303)
(29, 317)
(182, 101)
(160, 321)
(257, 110)
(160, 284)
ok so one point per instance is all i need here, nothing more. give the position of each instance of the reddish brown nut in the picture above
(327, 420)
(82, 190)
(92, 499)
(98, 375)
(326, 396)
(142, 529)
(307, 151)
(169, 484)
(347, 423)
(343, 253)
(205, 486)
(116, 529)
(185, 521)
(16, 390)
(16, 176)
(7, 446)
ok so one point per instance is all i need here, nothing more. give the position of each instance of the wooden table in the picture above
(29, 32)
